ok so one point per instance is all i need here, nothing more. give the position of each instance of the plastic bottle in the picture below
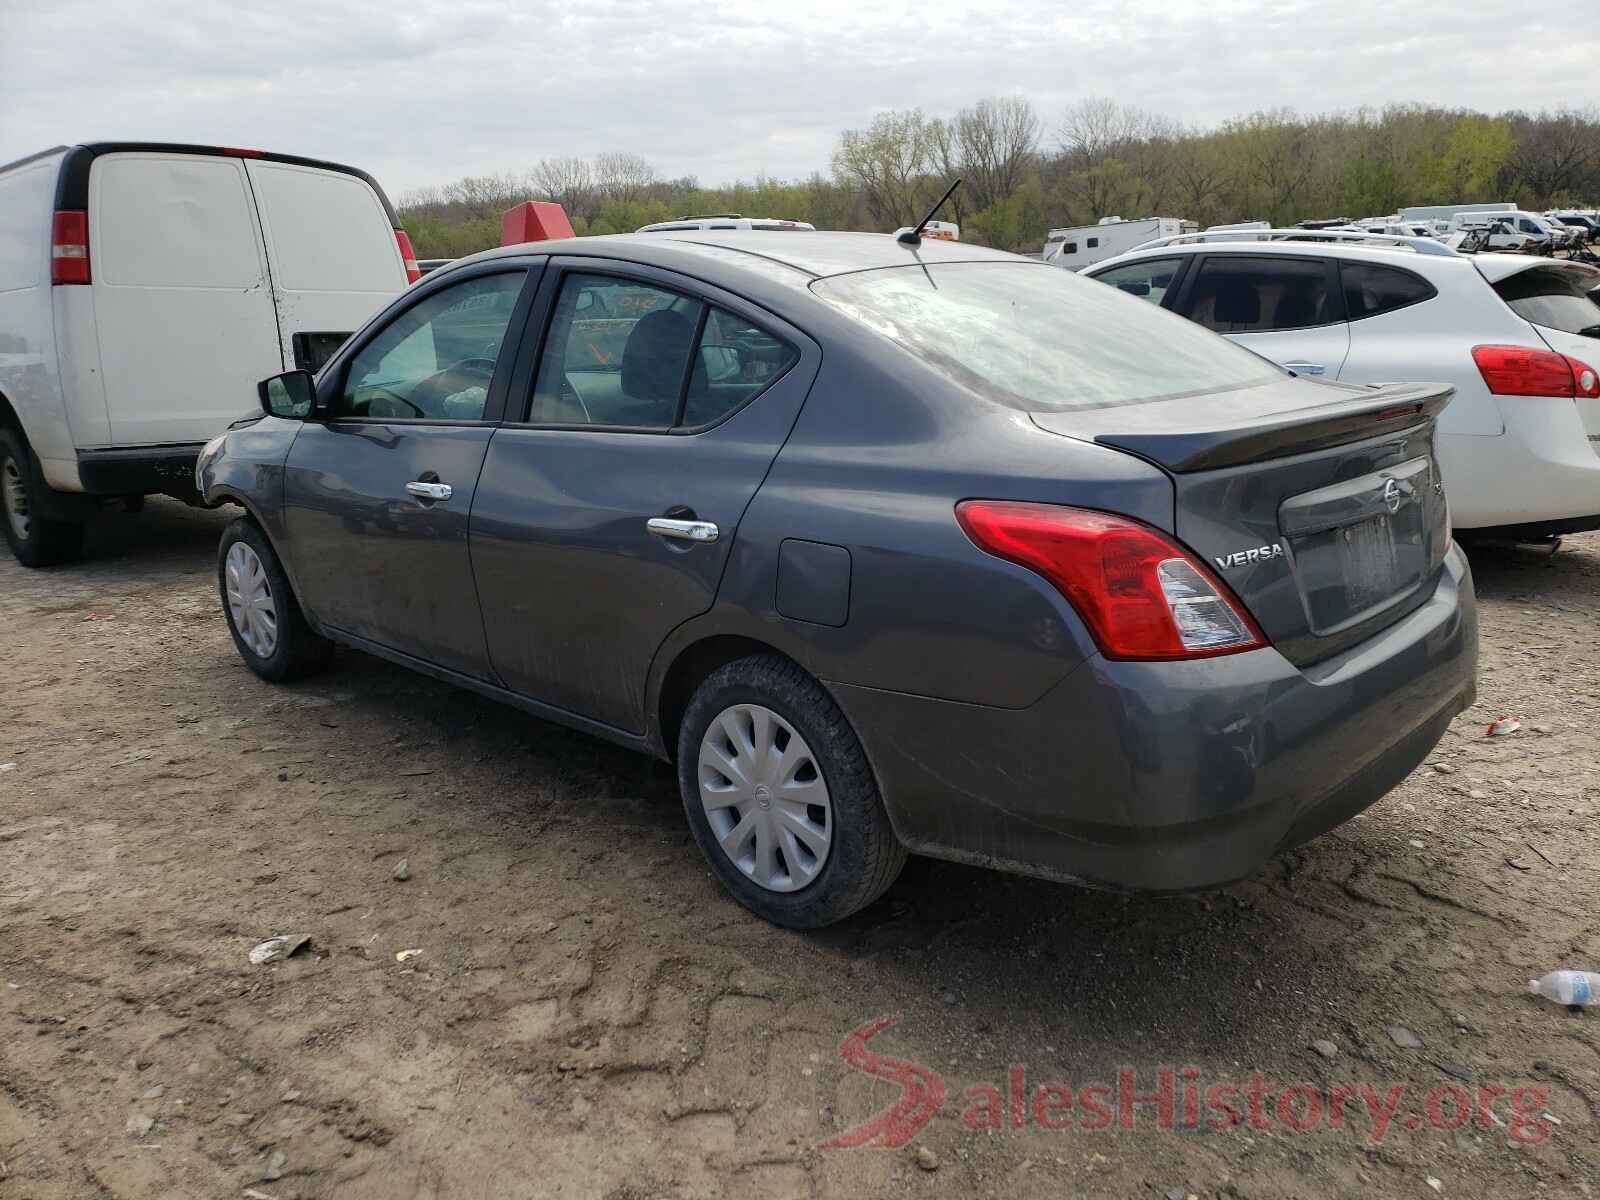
(1568, 987)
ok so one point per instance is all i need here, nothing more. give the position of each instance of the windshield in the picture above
(1040, 339)
(1553, 298)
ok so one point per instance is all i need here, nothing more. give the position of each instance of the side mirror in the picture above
(290, 395)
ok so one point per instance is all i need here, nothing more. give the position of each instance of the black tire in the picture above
(298, 650)
(864, 858)
(46, 542)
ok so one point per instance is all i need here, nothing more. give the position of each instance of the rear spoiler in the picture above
(1206, 447)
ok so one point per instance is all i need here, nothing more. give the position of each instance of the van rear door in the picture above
(332, 251)
(183, 315)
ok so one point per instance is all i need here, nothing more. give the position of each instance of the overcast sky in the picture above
(425, 91)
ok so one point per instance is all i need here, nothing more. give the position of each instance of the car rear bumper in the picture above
(1173, 776)
(140, 470)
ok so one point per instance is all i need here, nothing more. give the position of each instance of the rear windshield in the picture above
(1039, 338)
(1553, 298)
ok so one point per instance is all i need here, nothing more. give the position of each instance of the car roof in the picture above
(806, 255)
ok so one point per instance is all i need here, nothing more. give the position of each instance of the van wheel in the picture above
(780, 797)
(269, 630)
(35, 540)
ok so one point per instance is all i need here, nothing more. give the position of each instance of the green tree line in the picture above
(1100, 158)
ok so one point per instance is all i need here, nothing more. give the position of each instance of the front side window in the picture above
(1149, 279)
(1549, 296)
(1038, 338)
(1370, 289)
(1257, 294)
(435, 361)
(627, 354)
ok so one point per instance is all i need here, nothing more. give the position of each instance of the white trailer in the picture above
(1075, 248)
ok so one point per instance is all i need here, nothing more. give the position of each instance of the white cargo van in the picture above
(1082, 246)
(144, 289)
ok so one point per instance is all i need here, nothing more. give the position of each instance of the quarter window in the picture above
(1149, 279)
(435, 361)
(1257, 294)
(1370, 289)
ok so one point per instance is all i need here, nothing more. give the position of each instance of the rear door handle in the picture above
(685, 531)
(430, 491)
(1304, 368)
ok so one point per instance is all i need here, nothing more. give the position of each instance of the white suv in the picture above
(1518, 337)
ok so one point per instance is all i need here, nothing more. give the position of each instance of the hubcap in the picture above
(765, 797)
(255, 616)
(16, 498)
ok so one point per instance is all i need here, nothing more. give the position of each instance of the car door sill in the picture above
(494, 691)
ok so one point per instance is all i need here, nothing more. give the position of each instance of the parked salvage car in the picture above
(144, 287)
(889, 547)
(1516, 335)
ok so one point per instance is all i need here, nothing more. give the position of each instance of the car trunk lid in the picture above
(1321, 506)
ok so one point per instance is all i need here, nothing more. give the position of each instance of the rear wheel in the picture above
(36, 540)
(780, 797)
(269, 630)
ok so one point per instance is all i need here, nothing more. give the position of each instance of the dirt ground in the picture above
(590, 1016)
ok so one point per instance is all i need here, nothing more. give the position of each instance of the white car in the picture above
(1518, 337)
(145, 288)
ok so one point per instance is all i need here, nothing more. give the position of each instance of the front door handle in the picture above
(430, 491)
(1304, 368)
(685, 531)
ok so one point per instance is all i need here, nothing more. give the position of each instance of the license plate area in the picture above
(1360, 546)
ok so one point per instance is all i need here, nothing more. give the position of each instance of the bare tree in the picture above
(621, 175)
(995, 141)
(888, 163)
(569, 182)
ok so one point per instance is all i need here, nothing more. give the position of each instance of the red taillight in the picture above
(1519, 371)
(1142, 595)
(240, 151)
(408, 256)
(69, 246)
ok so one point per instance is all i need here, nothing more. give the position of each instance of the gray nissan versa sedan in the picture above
(890, 547)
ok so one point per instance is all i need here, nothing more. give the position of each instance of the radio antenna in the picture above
(913, 237)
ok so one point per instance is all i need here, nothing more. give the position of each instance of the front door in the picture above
(378, 492)
(1288, 308)
(603, 520)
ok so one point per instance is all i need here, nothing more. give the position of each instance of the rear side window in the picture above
(327, 231)
(1149, 279)
(1038, 338)
(1551, 297)
(1370, 289)
(1257, 294)
(172, 222)
(734, 361)
(628, 354)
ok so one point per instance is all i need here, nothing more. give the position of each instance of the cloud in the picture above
(430, 91)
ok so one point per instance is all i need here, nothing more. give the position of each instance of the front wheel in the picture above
(269, 630)
(34, 539)
(780, 797)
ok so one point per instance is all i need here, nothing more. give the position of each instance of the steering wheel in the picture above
(389, 395)
(450, 379)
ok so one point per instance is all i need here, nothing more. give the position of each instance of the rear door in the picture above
(183, 310)
(332, 253)
(608, 509)
(377, 492)
(1286, 308)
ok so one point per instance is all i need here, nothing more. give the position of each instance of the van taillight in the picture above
(69, 246)
(408, 256)
(1519, 371)
(1142, 595)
